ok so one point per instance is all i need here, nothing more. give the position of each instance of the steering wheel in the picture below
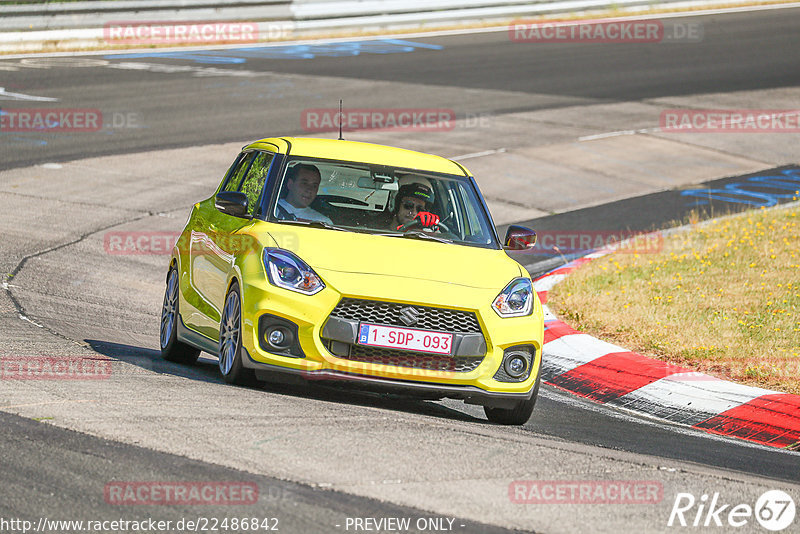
(416, 222)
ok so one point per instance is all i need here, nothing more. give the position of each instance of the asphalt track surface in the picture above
(76, 463)
(740, 52)
(746, 51)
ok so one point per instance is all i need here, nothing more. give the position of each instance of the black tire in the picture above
(517, 415)
(230, 342)
(171, 349)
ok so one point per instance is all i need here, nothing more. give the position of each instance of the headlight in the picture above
(516, 300)
(286, 270)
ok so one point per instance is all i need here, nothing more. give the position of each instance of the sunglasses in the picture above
(411, 206)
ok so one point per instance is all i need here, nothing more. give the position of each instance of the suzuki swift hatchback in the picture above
(336, 260)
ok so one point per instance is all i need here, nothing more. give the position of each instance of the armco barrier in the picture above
(67, 15)
(28, 27)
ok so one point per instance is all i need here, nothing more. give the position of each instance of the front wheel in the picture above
(171, 349)
(518, 415)
(230, 342)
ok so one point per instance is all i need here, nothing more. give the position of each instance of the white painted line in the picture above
(479, 154)
(5, 95)
(34, 323)
(679, 129)
(618, 133)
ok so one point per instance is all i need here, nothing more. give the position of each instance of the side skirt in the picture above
(195, 339)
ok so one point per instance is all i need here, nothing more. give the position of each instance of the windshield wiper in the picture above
(419, 234)
(315, 224)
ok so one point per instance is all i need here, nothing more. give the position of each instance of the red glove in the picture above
(428, 219)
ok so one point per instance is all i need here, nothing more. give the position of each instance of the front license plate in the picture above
(404, 338)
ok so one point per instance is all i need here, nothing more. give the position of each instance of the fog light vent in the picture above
(516, 365)
(279, 336)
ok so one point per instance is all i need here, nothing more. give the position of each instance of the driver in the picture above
(414, 201)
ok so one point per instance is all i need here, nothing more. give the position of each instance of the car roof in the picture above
(362, 152)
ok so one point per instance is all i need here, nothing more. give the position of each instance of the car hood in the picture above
(358, 253)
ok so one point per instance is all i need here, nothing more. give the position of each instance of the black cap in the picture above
(416, 190)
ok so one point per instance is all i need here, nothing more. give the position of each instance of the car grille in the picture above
(415, 360)
(388, 313)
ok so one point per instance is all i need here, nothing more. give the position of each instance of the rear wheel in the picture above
(230, 342)
(172, 349)
(518, 415)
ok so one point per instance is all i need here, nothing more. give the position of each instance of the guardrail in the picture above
(93, 14)
(65, 15)
(35, 26)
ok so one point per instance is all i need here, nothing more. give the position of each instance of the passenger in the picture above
(302, 183)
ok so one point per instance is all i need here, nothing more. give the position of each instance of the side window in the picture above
(254, 182)
(238, 173)
(474, 228)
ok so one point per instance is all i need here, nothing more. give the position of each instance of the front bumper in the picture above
(477, 384)
(423, 390)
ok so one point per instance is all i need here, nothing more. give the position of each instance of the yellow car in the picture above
(332, 260)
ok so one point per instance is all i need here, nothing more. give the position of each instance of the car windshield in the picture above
(377, 199)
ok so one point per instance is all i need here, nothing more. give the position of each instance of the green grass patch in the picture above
(721, 298)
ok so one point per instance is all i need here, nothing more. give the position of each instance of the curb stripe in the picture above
(557, 329)
(689, 398)
(614, 375)
(769, 419)
(608, 374)
(568, 352)
(546, 284)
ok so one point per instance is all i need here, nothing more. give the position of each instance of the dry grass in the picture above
(722, 298)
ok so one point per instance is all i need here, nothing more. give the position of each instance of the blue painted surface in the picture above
(753, 191)
(15, 139)
(306, 51)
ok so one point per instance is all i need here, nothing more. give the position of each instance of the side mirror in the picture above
(519, 238)
(232, 203)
